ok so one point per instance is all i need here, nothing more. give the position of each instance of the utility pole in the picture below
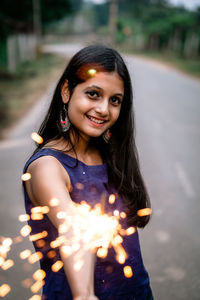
(113, 10)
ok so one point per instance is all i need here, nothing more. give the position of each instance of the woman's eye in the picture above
(92, 94)
(115, 100)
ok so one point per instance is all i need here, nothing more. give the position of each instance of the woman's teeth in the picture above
(95, 120)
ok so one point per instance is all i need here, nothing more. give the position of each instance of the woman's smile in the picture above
(95, 104)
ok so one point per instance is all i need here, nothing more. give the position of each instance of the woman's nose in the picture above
(102, 107)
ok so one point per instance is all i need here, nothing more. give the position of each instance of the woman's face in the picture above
(95, 104)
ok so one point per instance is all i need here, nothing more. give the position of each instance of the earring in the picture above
(107, 135)
(64, 119)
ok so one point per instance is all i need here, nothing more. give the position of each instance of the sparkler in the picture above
(92, 229)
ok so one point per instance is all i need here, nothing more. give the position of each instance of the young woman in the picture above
(89, 152)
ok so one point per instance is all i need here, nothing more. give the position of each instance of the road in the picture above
(167, 108)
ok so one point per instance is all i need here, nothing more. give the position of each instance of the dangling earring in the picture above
(64, 119)
(107, 135)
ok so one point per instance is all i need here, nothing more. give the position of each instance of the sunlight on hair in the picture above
(37, 138)
(92, 72)
(144, 212)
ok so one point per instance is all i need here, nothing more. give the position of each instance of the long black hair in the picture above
(120, 153)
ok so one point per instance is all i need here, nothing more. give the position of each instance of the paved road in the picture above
(167, 115)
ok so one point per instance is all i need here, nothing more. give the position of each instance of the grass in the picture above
(19, 92)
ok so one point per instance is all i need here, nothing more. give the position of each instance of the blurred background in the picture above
(160, 42)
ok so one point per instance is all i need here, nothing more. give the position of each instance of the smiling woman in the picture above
(88, 157)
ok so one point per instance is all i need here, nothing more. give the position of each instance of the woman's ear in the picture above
(65, 94)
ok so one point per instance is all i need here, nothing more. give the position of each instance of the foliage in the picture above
(17, 16)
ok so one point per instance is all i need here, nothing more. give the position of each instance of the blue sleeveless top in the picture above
(110, 282)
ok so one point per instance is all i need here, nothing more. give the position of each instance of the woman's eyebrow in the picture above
(99, 88)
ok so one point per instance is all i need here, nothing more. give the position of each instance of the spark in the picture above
(128, 271)
(26, 176)
(54, 202)
(7, 264)
(25, 230)
(144, 212)
(37, 138)
(4, 289)
(35, 297)
(25, 254)
(111, 199)
(123, 215)
(37, 236)
(130, 230)
(37, 286)
(57, 266)
(24, 217)
(35, 257)
(39, 275)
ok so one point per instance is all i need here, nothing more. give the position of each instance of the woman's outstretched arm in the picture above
(50, 180)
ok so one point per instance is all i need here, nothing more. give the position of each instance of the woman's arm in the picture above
(50, 180)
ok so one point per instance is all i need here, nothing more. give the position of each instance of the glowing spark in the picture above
(144, 212)
(123, 215)
(37, 138)
(25, 230)
(7, 242)
(57, 266)
(7, 264)
(23, 218)
(39, 275)
(51, 254)
(79, 186)
(35, 297)
(37, 286)
(111, 199)
(54, 202)
(67, 250)
(37, 236)
(63, 228)
(61, 215)
(116, 213)
(130, 230)
(78, 265)
(40, 243)
(35, 257)
(40, 210)
(128, 272)
(4, 290)
(25, 254)
(92, 72)
(26, 176)
(37, 216)
(102, 252)
(58, 242)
